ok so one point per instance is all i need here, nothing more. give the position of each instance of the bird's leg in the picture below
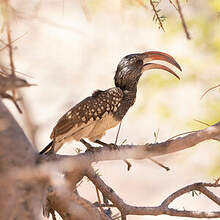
(112, 146)
(88, 145)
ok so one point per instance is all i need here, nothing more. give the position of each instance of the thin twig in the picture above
(157, 15)
(202, 122)
(158, 163)
(12, 41)
(16, 71)
(104, 205)
(187, 132)
(156, 134)
(171, 2)
(179, 9)
(99, 199)
(208, 90)
(195, 186)
(10, 48)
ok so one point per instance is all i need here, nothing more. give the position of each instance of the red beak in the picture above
(156, 55)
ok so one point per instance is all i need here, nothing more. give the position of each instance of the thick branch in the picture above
(19, 199)
(71, 164)
(71, 206)
(139, 151)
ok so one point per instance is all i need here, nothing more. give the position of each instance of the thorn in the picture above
(159, 164)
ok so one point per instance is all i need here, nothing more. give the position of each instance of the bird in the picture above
(11, 82)
(105, 109)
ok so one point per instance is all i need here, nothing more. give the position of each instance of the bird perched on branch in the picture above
(11, 82)
(103, 110)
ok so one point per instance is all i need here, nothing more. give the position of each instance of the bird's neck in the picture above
(129, 97)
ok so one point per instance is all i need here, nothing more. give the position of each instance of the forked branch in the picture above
(162, 209)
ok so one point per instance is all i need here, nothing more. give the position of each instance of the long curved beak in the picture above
(156, 55)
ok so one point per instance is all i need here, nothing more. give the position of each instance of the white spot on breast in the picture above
(68, 113)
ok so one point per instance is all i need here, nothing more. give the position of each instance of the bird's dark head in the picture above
(131, 67)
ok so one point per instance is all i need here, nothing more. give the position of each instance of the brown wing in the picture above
(90, 110)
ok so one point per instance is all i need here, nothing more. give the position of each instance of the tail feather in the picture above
(47, 148)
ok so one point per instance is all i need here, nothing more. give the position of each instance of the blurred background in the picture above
(71, 48)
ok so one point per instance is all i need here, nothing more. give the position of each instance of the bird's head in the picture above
(131, 67)
(17, 82)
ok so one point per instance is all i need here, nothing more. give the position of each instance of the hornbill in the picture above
(103, 110)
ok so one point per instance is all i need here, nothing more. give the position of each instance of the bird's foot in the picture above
(111, 145)
(88, 146)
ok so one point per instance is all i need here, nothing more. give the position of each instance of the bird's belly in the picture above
(101, 126)
(76, 133)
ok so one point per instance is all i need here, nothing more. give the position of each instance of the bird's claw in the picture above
(112, 146)
(91, 149)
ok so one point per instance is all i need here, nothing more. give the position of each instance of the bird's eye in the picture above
(139, 62)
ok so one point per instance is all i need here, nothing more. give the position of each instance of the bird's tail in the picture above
(47, 148)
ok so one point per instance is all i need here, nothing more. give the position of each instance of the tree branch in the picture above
(71, 206)
(179, 9)
(19, 199)
(137, 151)
(156, 13)
(126, 209)
(81, 163)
